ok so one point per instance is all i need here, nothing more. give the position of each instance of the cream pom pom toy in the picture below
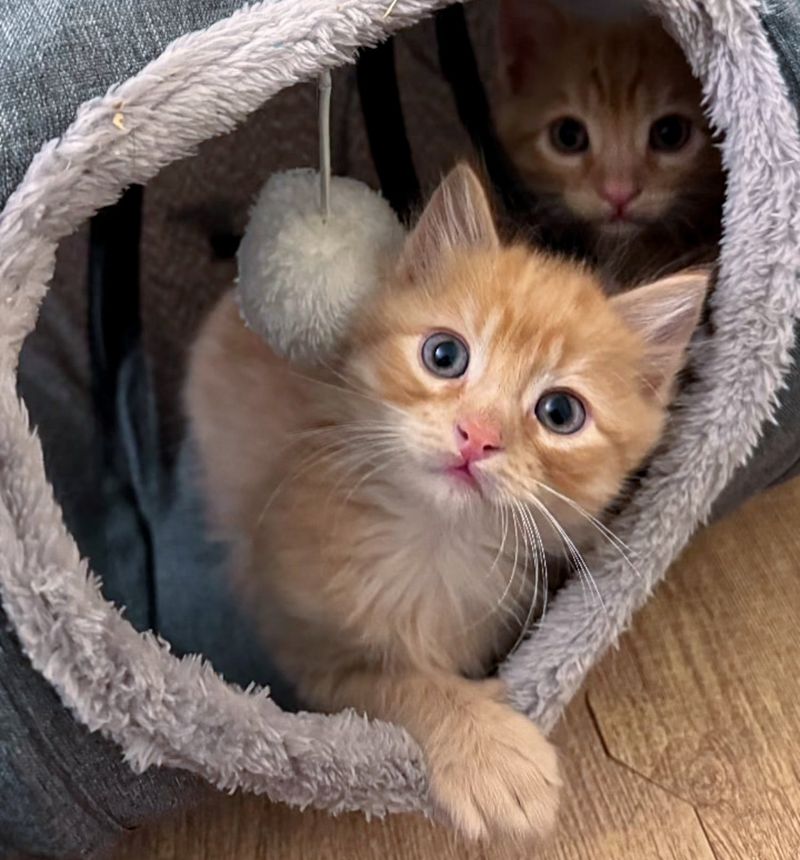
(302, 273)
(314, 247)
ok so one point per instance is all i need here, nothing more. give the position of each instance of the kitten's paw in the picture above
(493, 773)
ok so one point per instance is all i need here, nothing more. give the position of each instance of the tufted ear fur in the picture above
(457, 217)
(665, 314)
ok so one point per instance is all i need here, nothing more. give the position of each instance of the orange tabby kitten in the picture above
(604, 121)
(391, 512)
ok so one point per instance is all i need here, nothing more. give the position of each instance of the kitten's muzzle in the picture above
(478, 438)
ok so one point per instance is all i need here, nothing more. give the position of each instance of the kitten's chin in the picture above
(619, 228)
(448, 492)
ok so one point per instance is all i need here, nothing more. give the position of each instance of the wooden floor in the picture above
(685, 744)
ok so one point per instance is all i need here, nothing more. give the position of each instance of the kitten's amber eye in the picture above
(569, 135)
(561, 412)
(670, 133)
(445, 355)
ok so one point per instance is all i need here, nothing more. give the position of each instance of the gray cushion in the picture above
(56, 55)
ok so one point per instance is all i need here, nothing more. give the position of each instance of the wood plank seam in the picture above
(707, 835)
(623, 764)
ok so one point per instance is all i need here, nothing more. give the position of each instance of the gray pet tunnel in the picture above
(103, 726)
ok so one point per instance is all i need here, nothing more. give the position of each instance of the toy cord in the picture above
(324, 90)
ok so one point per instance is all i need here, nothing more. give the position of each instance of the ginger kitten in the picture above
(604, 120)
(390, 513)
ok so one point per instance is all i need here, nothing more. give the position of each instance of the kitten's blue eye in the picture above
(561, 412)
(445, 355)
(569, 135)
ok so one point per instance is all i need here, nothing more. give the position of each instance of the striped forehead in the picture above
(506, 342)
(628, 72)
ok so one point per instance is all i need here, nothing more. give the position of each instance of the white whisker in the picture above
(498, 606)
(622, 548)
(355, 460)
(512, 575)
(575, 555)
(540, 562)
(341, 389)
(316, 457)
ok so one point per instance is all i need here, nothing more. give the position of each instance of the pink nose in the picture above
(618, 193)
(478, 438)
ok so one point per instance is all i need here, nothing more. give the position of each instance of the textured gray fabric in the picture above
(66, 792)
(56, 54)
(196, 609)
(781, 20)
(777, 457)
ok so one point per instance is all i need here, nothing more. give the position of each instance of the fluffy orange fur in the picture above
(617, 79)
(384, 581)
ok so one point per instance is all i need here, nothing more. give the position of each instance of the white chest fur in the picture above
(436, 591)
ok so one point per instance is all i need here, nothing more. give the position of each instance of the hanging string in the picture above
(324, 90)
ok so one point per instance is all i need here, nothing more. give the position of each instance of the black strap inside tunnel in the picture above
(386, 128)
(460, 68)
(115, 335)
(524, 210)
(114, 318)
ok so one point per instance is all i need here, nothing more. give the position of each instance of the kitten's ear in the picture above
(457, 217)
(665, 314)
(524, 28)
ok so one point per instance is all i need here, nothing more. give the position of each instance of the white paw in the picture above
(493, 773)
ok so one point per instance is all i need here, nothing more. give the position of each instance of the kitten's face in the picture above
(606, 120)
(505, 375)
(532, 335)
